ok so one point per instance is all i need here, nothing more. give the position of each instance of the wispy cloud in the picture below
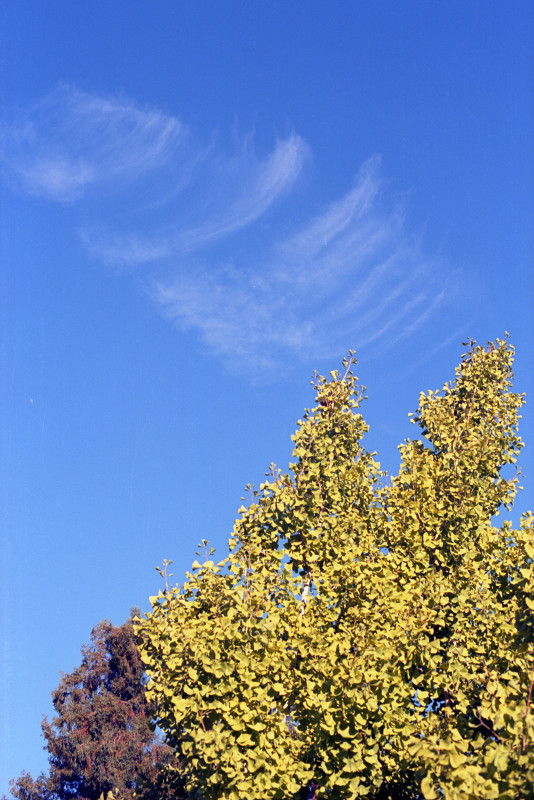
(217, 259)
(348, 278)
(250, 187)
(72, 140)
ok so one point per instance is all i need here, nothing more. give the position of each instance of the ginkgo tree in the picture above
(364, 636)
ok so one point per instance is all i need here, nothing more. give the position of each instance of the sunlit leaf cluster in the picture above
(371, 636)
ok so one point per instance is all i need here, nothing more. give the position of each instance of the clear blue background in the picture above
(170, 170)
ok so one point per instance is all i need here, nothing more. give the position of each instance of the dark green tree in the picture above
(101, 738)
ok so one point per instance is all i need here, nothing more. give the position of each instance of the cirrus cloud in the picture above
(71, 140)
(201, 225)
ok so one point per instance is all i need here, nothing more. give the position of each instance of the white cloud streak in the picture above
(255, 184)
(72, 140)
(268, 181)
(349, 277)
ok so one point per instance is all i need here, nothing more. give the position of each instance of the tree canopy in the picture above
(101, 739)
(365, 636)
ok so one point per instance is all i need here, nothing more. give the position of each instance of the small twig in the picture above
(527, 710)
(350, 363)
(489, 728)
(305, 593)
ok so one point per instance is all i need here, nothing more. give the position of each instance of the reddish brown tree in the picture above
(101, 738)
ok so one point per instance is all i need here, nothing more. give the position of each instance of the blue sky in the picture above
(202, 203)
